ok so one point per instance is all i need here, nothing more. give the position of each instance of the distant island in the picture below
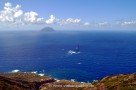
(48, 29)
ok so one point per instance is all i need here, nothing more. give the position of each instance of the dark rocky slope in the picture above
(23, 81)
(30, 81)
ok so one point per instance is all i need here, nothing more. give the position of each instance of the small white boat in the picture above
(76, 51)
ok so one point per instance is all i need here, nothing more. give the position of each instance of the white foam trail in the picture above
(40, 74)
(57, 80)
(35, 72)
(73, 80)
(70, 52)
(82, 82)
(15, 71)
(79, 63)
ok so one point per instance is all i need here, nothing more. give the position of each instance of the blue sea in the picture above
(102, 53)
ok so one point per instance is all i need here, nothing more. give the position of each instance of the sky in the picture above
(68, 14)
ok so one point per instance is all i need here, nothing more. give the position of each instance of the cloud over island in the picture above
(14, 16)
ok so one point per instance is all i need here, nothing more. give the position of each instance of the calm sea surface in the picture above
(102, 53)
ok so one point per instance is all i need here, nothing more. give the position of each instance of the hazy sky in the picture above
(68, 14)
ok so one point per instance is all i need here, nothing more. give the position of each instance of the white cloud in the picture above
(14, 15)
(18, 13)
(69, 21)
(51, 20)
(31, 17)
(11, 14)
(96, 24)
(72, 21)
(103, 24)
(7, 13)
(8, 4)
(86, 23)
(126, 23)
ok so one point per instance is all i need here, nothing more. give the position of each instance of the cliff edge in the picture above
(31, 81)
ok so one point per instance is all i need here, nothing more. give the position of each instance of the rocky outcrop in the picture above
(30, 81)
(67, 85)
(119, 82)
(23, 81)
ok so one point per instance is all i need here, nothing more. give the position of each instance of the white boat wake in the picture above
(76, 51)
(70, 52)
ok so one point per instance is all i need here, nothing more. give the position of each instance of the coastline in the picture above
(33, 81)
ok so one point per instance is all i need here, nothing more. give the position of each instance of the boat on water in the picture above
(77, 48)
(76, 51)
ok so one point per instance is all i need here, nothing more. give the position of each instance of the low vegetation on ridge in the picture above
(31, 81)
